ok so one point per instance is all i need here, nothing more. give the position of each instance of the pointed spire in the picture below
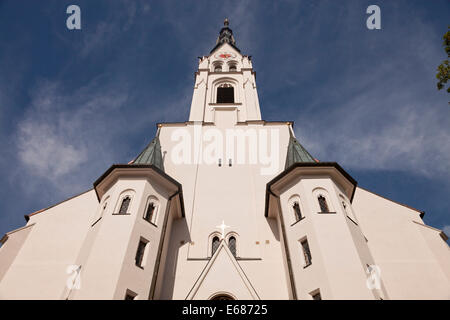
(225, 36)
(151, 154)
(296, 153)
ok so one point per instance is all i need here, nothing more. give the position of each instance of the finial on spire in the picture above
(226, 22)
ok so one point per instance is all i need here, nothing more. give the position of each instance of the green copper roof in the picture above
(296, 153)
(151, 155)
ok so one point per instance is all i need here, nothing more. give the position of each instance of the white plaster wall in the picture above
(233, 194)
(409, 268)
(39, 269)
(336, 269)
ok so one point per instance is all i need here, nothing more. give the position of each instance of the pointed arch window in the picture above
(215, 245)
(232, 245)
(323, 204)
(125, 204)
(297, 211)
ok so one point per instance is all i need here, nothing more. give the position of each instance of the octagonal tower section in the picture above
(325, 252)
(124, 252)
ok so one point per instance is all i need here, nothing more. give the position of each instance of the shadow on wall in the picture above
(273, 226)
(180, 237)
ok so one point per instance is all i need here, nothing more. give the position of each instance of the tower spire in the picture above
(225, 36)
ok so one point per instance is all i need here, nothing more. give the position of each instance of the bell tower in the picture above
(225, 81)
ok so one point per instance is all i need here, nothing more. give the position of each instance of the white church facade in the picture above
(225, 206)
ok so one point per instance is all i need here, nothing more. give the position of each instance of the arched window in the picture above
(149, 213)
(215, 245)
(297, 211)
(232, 67)
(225, 93)
(232, 245)
(323, 204)
(125, 204)
(218, 68)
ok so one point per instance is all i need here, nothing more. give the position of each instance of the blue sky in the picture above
(74, 102)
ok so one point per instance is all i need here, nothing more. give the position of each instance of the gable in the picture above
(225, 47)
(222, 275)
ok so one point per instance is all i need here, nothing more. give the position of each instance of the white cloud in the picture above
(47, 153)
(62, 131)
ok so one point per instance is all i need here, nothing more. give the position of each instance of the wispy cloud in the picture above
(63, 130)
(382, 114)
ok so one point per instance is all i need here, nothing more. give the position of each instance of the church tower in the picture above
(225, 206)
(225, 80)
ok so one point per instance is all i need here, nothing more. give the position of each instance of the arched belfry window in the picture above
(125, 204)
(232, 245)
(215, 245)
(297, 211)
(225, 93)
(232, 67)
(218, 68)
(323, 204)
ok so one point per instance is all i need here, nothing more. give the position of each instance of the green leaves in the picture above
(443, 69)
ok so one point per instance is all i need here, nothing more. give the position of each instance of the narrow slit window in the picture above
(306, 252)
(125, 204)
(225, 94)
(232, 245)
(150, 212)
(215, 245)
(102, 213)
(297, 211)
(140, 253)
(323, 204)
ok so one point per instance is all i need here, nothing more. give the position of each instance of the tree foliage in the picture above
(443, 69)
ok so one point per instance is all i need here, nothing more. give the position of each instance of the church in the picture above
(225, 206)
